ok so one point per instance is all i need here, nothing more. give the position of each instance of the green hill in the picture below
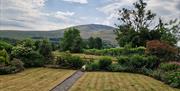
(95, 30)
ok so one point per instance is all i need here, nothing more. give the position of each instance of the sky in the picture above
(58, 14)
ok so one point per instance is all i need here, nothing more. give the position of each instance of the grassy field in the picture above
(106, 81)
(36, 79)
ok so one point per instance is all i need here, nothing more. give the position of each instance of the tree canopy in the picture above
(136, 27)
(71, 40)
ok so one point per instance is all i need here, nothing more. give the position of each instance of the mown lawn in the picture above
(36, 79)
(107, 81)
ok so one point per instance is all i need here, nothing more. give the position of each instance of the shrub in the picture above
(151, 62)
(66, 60)
(6, 46)
(140, 61)
(173, 78)
(117, 68)
(116, 51)
(168, 66)
(161, 50)
(4, 57)
(94, 66)
(75, 62)
(18, 64)
(158, 74)
(136, 61)
(7, 70)
(104, 62)
(45, 49)
(123, 60)
(28, 56)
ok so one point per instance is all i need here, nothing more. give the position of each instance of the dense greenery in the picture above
(45, 49)
(4, 57)
(66, 60)
(136, 27)
(116, 51)
(95, 43)
(5, 45)
(71, 41)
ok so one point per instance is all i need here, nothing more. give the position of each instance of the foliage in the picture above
(173, 78)
(137, 61)
(66, 60)
(7, 70)
(93, 66)
(28, 56)
(168, 66)
(45, 50)
(4, 57)
(122, 59)
(75, 62)
(71, 41)
(161, 50)
(117, 68)
(27, 43)
(6, 46)
(18, 64)
(96, 43)
(105, 62)
(136, 27)
(116, 51)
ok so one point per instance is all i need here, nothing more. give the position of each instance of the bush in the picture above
(173, 78)
(136, 61)
(161, 50)
(123, 60)
(7, 70)
(94, 66)
(66, 60)
(6, 46)
(4, 57)
(140, 61)
(117, 68)
(28, 56)
(168, 66)
(75, 62)
(104, 62)
(158, 74)
(18, 64)
(116, 51)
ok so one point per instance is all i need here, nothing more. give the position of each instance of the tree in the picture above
(137, 28)
(91, 42)
(45, 48)
(98, 43)
(4, 57)
(71, 41)
(27, 43)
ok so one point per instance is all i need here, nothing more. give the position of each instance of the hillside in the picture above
(95, 30)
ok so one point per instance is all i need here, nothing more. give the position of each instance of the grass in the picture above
(35, 79)
(107, 81)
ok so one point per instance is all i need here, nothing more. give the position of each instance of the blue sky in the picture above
(58, 14)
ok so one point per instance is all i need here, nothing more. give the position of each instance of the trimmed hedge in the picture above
(66, 60)
(116, 51)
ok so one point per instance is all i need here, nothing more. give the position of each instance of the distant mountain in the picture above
(95, 30)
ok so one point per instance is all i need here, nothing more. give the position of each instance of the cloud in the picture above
(63, 15)
(29, 15)
(77, 1)
(157, 6)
